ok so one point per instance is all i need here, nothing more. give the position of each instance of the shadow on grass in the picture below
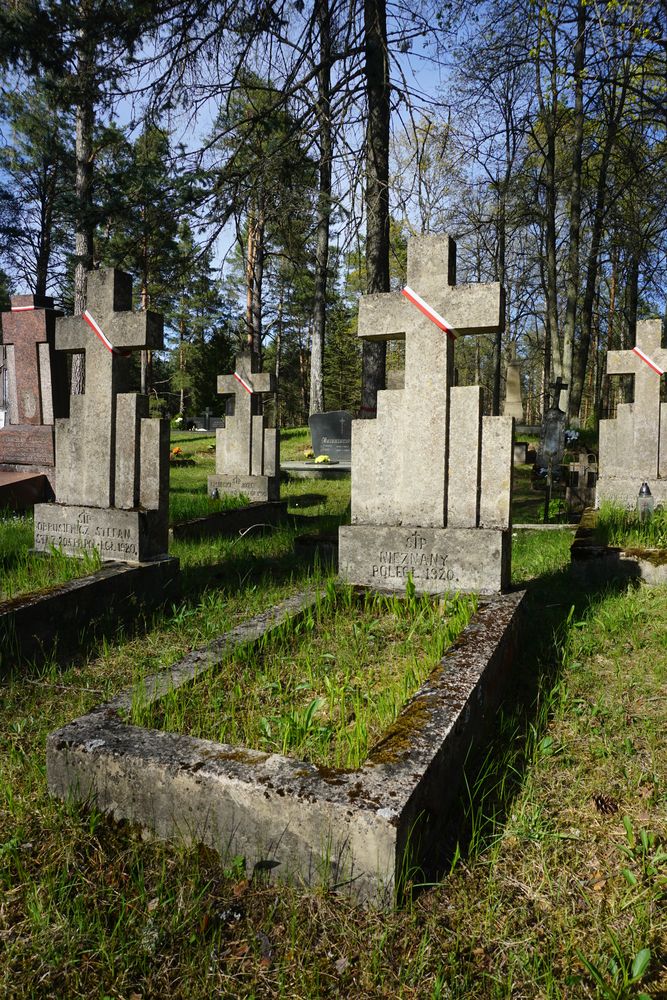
(495, 772)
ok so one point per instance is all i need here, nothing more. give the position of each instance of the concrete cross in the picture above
(400, 466)
(28, 332)
(241, 442)
(646, 409)
(558, 387)
(106, 333)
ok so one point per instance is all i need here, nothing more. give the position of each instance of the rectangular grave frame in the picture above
(363, 831)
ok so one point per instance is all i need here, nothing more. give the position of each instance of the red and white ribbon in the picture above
(22, 309)
(429, 311)
(645, 358)
(97, 329)
(248, 388)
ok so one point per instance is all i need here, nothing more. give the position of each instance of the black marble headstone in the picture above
(332, 434)
(552, 438)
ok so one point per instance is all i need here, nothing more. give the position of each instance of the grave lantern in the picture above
(645, 503)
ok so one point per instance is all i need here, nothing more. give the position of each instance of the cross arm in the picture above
(474, 309)
(136, 331)
(623, 363)
(384, 316)
(259, 382)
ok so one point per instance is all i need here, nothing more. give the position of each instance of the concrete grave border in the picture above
(595, 563)
(361, 830)
(34, 625)
(232, 522)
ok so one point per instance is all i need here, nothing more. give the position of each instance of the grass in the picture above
(323, 688)
(556, 880)
(617, 526)
(23, 573)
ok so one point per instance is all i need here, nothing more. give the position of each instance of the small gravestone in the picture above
(633, 447)
(431, 476)
(582, 476)
(331, 434)
(513, 405)
(112, 460)
(247, 457)
(36, 384)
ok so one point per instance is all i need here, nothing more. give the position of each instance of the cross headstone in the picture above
(633, 447)
(36, 384)
(247, 458)
(558, 386)
(431, 476)
(112, 460)
(513, 405)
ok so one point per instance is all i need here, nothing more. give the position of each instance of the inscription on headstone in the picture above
(331, 434)
(431, 476)
(247, 458)
(633, 447)
(112, 460)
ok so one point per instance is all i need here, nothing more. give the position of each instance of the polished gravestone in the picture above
(431, 476)
(36, 395)
(112, 460)
(331, 434)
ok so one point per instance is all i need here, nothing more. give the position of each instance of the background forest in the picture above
(256, 166)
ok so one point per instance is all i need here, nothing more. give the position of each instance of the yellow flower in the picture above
(322, 458)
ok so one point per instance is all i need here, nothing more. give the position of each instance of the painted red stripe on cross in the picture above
(645, 358)
(97, 330)
(22, 309)
(428, 311)
(245, 385)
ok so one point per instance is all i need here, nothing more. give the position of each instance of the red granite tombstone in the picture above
(36, 394)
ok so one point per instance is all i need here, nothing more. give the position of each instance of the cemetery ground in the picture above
(553, 881)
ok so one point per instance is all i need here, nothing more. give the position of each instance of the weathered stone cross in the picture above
(97, 449)
(558, 387)
(400, 459)
(639, 424)
(241, 443)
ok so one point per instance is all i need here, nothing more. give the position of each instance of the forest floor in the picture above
(557, 888)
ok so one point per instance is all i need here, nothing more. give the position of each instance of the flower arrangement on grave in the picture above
(322, 459)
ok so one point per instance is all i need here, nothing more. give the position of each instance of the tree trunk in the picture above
(575, 204)
(323, 209)
(85, 123)
(377, 190)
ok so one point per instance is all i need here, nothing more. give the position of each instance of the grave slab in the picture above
(356, 830)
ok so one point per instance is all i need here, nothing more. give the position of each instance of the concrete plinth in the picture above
(362, 831)
(128, 535)
(439, 559)
(256, 488)
(624, 491)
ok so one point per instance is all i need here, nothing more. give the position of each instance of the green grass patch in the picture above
(618, 526)
(23, 572)
(323, 687)
(294, 443)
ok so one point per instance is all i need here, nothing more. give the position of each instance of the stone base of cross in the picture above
(431, 476)
(247, 457)
(633, 447)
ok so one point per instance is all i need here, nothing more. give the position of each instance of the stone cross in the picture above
(101, 449)
(28, 333)
(245, 446)
(419, 461)
(634, 444)
(557, 387)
